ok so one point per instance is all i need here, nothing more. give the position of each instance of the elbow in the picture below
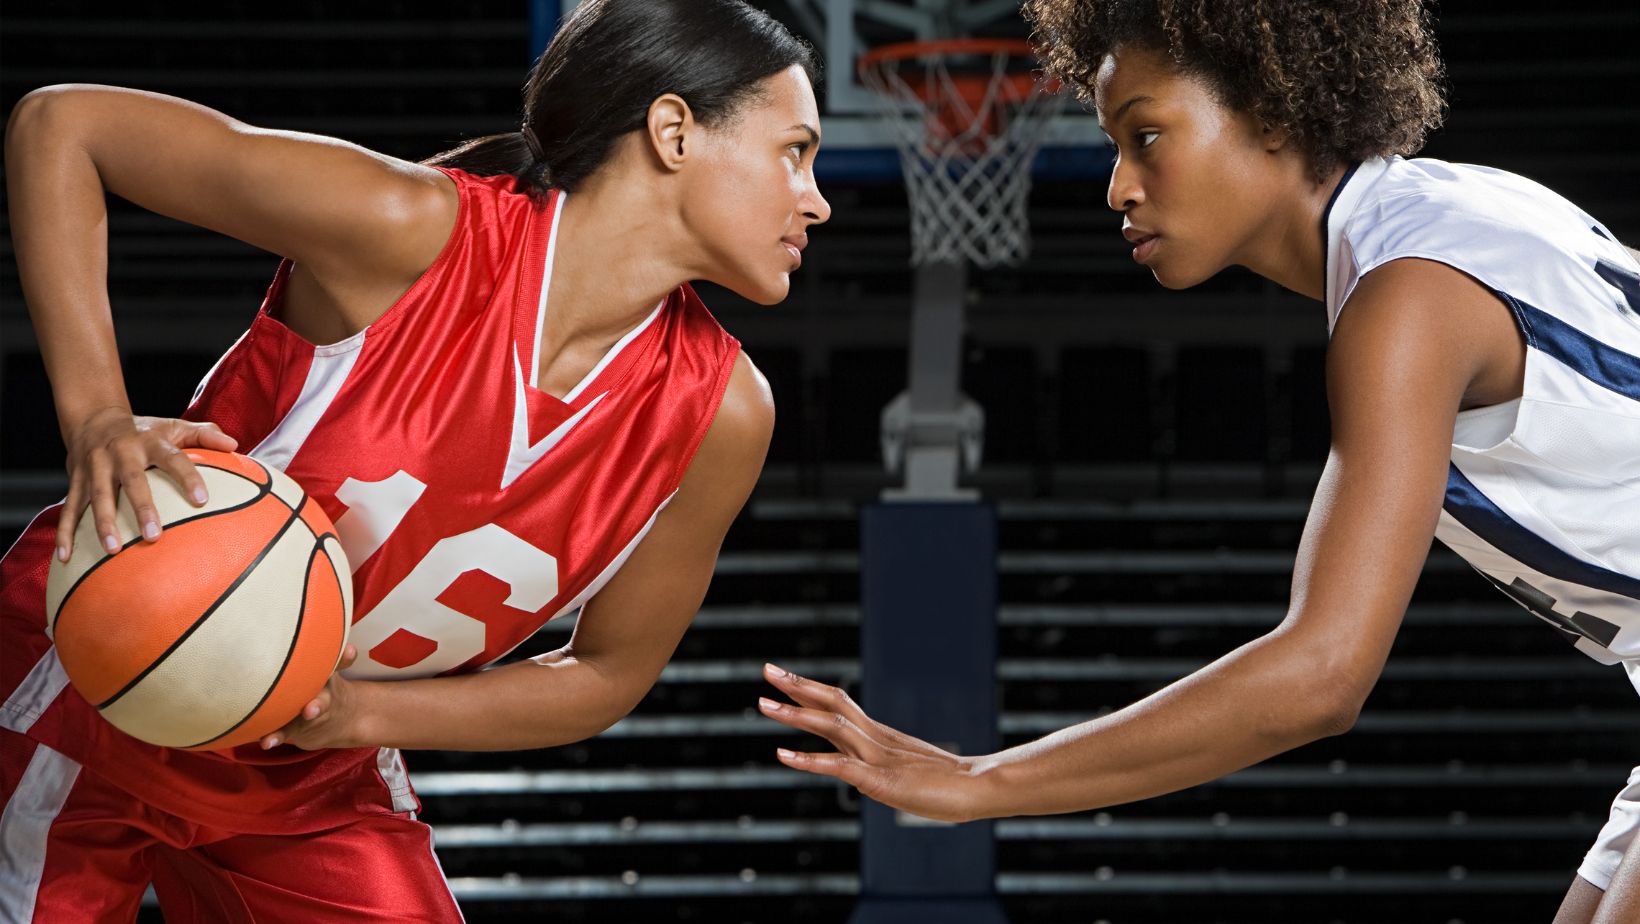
(26, 117)
(1336, 720)
(36, 117)
(1331, 707)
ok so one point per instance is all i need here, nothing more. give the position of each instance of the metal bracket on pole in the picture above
(932, 432)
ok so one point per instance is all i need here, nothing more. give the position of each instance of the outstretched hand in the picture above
(329, 720)
(884, 764)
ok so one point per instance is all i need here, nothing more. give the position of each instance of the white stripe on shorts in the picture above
(390, 764)
(1600, 865)
(38, 690)
(24, 825)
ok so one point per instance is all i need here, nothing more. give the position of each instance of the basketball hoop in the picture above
(968, 116)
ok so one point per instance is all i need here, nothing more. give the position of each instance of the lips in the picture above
(794, 246)
(1145, 248)
(1144, 242)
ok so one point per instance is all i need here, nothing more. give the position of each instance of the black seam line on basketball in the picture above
(246, 573)
(296, 633)
(262, 491)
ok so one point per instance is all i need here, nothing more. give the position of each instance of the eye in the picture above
(1145, 138)
(798, 149)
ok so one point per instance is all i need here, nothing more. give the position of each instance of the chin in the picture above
(766, 292)
(1175, 277)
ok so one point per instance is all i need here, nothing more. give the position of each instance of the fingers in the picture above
(824, 696)
(349, 655)
(809, 692)
(840, 766)
(132, 469)
(175, 463)
(292, 732)
(209, 436)
(68, 520)
(111, 454)
(104, 500)
(833, 727)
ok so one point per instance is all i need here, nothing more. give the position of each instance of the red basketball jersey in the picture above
(473, 507)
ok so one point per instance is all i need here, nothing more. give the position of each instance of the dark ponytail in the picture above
(608, 63)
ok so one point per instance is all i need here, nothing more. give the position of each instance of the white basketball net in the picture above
(967, 166)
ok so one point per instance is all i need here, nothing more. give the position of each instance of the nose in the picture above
(815, 207)
(1124, 192)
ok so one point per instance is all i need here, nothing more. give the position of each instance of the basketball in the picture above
(221, 630)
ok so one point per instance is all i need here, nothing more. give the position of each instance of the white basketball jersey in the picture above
(1543, 493)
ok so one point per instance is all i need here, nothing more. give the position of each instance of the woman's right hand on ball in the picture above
(110, 450)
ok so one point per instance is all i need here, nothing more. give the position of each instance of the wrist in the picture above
(365, 721)
(991, 781)
(76, 414)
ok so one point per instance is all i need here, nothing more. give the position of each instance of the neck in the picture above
(1291, 249)
(617, 256)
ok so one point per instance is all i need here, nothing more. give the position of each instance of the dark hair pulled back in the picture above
(609, 61)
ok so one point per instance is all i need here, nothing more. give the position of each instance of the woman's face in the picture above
(1195, 180)
(752, 205)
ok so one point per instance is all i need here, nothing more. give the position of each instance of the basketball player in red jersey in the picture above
(491, 371)
(1483, 374)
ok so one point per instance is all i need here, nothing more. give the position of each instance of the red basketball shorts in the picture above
(76, 848)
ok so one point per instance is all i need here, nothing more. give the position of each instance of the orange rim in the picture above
(904, 51)
(973, 87)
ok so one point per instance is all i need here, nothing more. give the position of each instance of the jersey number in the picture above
(374, 510)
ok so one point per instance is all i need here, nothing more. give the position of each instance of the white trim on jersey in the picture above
(604, 576)
(614, 351)
(25, 827)
(520, 454)
(541, 316)
(327, 373)
(44, 683)
(546, 284)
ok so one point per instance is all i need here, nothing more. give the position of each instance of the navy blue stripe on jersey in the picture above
(1600, 363)
(1326, 213)
(1625, 281)
(1481, 516)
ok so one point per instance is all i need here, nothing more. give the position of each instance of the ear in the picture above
(1273, 139)
(672, 130)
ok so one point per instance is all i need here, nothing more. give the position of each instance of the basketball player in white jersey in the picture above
(1483, 374)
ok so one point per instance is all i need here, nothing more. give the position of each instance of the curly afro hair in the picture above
(1348, 79)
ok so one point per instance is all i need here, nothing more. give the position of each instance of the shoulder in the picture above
(1475, 217)
(745, 418)
(1417, 330)
(725, 468)
(419, 212)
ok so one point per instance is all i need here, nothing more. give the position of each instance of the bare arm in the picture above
(361, 224)
(623, 639)
(1407, 349)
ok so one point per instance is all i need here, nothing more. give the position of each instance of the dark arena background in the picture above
(1150, 454)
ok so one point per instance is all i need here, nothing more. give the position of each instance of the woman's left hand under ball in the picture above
(329, 720)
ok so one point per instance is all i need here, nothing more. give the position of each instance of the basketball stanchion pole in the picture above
(968, 124)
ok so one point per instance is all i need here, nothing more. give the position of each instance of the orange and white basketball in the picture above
(221, 630)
